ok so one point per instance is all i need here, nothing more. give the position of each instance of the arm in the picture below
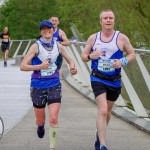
(65, 41)
(127, 47)
(73, 69)
(26, 66)
(86, 54)
(9, 38)
(1, 39)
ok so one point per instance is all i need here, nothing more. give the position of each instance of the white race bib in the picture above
(51, 70)
(5, 40)
(106, 65)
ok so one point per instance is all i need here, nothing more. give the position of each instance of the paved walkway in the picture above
(14, 98)
(76, 119)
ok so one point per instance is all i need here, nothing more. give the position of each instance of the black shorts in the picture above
(42, 96)
(112, 93)
(4, 47)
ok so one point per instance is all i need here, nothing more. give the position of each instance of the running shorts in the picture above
(112, 93)
(42, 96)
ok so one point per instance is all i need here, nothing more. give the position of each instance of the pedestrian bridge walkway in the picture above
(76, 119)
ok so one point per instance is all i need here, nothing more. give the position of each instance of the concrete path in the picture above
(14, 98)
(76, 120)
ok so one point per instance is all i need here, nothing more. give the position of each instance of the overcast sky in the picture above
(1, 2)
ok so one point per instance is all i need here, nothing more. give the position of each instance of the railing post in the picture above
(17, 50)
(27, 47)
(78, 76)
(85, 72)
(139, 109)
(144, 71)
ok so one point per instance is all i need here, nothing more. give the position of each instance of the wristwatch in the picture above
(89, 57)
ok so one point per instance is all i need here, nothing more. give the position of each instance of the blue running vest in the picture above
(56, 36)
(49, 77)
(104, 63)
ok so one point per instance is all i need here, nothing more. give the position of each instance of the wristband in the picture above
(124, 61)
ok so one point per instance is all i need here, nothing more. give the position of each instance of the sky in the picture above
(1, 2)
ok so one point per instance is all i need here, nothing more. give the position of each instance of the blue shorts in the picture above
(112, 93)
(42, 96)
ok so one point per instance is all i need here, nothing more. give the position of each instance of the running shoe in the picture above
(40, 131)
(103, 148)
(51, 149)
(5, 64)
(97, 142)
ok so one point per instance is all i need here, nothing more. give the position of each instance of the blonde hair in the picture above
(108, 10)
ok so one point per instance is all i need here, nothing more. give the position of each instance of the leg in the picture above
(105, 102)
(54, 101)
(4, 58)
(3, 55)
(53, 113)
(53, 121)
(99, 90)
(103, 117)
(97, 142)
(40, 121)
(6, 55)
(101, 121)
(39, 116)
(4, 52)
(112, 96)
(39, 101)
(110, 105)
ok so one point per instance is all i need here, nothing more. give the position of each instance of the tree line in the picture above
(132, 17)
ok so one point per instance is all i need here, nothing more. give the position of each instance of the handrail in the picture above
(134, 98)
(84, 43)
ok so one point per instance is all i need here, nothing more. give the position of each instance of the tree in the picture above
(132, 17)
(23, 17)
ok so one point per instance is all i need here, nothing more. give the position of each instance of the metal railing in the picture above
(1, 127)
(135, 77)
(138, 71)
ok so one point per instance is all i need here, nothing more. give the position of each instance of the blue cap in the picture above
(46, 23)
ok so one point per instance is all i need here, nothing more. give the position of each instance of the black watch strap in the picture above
(89, 57)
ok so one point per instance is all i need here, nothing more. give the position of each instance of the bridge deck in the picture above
(76, 119)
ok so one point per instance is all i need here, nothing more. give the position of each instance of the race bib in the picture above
(51, 70)
(106, 65)
(5, 40)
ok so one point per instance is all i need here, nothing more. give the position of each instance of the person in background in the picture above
(105, 51)
(45, 80)
(5, 39)
(60, 36)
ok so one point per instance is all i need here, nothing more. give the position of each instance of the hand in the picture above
(73, 70)
(96, 54)
(117, 64)
(44, 64)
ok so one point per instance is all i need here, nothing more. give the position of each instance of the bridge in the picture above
(128, 129)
